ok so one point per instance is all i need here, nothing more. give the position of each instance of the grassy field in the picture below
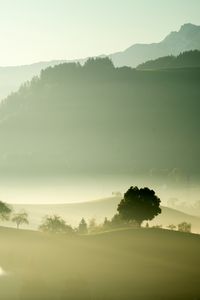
(122, 264)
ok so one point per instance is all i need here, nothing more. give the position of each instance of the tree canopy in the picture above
(20, 218)
(186, 59)
(55, 224)
(184, 227)
(139, 205)
(96, 102)
(5, 211)
(82, 228)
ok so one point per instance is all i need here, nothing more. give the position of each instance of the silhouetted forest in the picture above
(100, 119)
(189, 59)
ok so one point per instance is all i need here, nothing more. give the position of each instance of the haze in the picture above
(35, 30)
(99, 150)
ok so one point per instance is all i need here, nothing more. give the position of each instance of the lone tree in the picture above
(55, 224)
(82, 227)
(20, 218)
(139, 205)
(5, 211)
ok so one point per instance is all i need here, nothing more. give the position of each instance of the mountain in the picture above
(98, 119)
(188, 59)
(187, 38)
(98, 209)
(12, 77)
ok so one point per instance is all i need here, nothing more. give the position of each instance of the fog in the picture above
(88, 188)
(99, 156)
(96, 267)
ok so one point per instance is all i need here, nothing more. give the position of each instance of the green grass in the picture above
(122, 264)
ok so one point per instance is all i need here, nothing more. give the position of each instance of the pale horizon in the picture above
(64, 30)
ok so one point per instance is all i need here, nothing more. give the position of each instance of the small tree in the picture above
(20, 218)
(92, 225)
(55, 224)
(117, 221)
(106, 223)
(184, 227)
(171, 227)
(5, 211)
(139, 205)
(82, 228)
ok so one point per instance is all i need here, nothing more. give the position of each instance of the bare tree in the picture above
(20, 218)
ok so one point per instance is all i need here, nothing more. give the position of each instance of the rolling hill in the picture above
(98, 209)
(128, 264)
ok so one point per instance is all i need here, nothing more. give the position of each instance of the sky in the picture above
(42, 30)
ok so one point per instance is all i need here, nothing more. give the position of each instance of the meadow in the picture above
(119, 264)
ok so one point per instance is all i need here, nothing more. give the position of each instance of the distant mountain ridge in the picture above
(187, 38)
(12, 77)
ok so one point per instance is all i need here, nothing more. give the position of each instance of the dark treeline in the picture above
(188, 59)
(100, 119)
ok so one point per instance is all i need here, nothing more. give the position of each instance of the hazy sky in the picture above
(36, 30)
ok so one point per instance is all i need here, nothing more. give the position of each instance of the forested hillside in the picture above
(96, 118)
(189, 59)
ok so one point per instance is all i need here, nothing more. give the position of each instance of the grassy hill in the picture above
(126, 264)
(98, 209)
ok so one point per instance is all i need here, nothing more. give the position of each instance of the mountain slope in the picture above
(189, 59)
(97, 119)
(130, 120)
(12, 77)
(187, 38)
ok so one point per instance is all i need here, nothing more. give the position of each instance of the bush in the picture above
(55, 224)
(5, 211)
(184, 227)
(171, 227)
